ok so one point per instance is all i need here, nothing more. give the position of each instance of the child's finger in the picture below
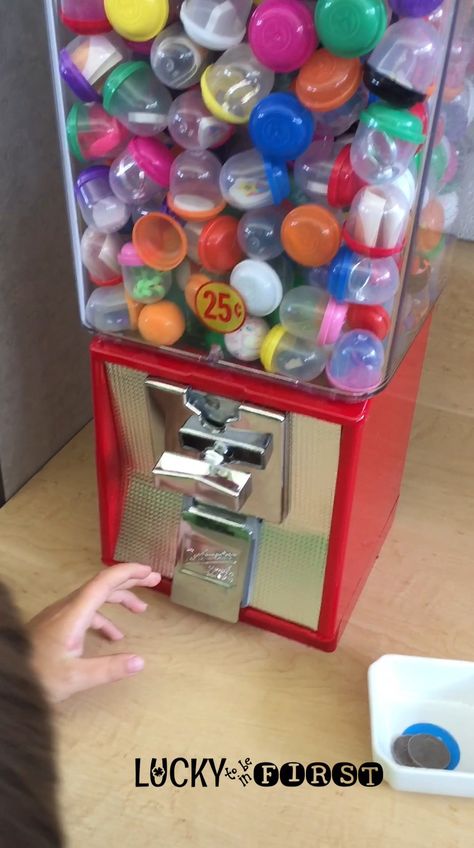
(98, 591)
(101, 670)
(117, 577)
(94, 594)
(106, 627)
(149, 581)
(128, 599)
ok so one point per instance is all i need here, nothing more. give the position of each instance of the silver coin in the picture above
(400, 751)
(428, 751)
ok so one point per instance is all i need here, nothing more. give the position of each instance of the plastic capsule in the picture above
(259, 285)
(86, 62)
(280, 127)
(376, 319)
(377, 221)
(310, 313)
(317, 277)
(292, 357)
(361, 279)
(142, 172)
(160, 241)
(192, 126)
(182, 274)
(259, 233)
(193, 284)
(141, 21)
(86, 17)
(386, 141)
(93, 134)
(216, 24)
(194, 186)
(404, 65)
(213, 244)
(245, 344)
(356, 362)
(177, 61)
(99, 206)
(281, 33)
(325, 175)
(143, 284)
(234, 84)
(161, 323)
(99, 254)
(331, 87)
(248, 181)
(406, 183)
(311, 235)
(350, 28)
(107, 310)
(137, 98)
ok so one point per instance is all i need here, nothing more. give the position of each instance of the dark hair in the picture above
(28, 805)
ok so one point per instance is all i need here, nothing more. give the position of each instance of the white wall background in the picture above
(44, 379)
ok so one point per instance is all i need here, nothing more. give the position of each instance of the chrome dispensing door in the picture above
(223, 453)
(229, 462)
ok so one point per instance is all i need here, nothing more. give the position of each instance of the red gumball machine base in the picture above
(286, 540)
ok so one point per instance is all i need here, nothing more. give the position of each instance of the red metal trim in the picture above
(241, 386)
(287, 629)
(108, 462)
(372, 462)
(350, 448)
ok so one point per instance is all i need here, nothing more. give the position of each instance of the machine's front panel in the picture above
(233, 502)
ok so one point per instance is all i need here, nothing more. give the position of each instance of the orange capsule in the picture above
(195, 282)
(161, 323)
(326, 82)
(160, 241)
(311, 235)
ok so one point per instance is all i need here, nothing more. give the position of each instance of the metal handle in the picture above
(215, 413)
(206, 479)
(236, 445)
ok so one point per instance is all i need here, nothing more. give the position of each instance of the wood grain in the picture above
(216, 690)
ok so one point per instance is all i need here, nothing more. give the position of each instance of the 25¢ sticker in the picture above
(220, 307)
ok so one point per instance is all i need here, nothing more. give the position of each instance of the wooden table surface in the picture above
(216, 690)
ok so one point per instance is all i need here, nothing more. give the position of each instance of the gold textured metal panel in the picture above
(129, 400)
(149, 527)
(290, 575)
(292, 560)
(151, 518)
(314, 461)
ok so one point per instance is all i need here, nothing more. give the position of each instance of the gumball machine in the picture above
(263, 203)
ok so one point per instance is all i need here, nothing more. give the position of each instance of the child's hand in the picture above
(58, 633)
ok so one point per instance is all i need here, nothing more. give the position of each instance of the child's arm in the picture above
(28, 811)
(58, 633)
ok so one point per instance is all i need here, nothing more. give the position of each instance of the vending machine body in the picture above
(259, 238)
